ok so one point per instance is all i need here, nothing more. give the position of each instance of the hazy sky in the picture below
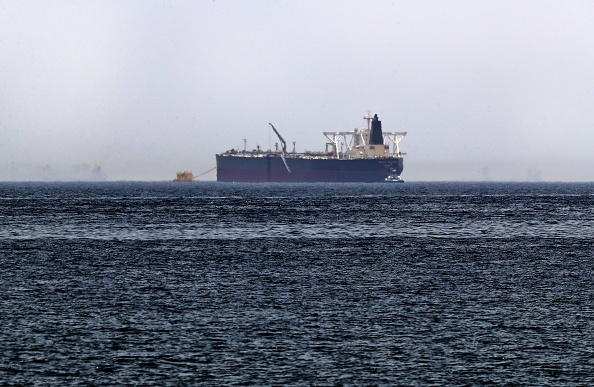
(500, 90)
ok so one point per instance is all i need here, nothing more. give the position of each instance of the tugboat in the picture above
(184, 176)
(393, 177)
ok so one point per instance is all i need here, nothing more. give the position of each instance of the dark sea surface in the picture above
(288, 284)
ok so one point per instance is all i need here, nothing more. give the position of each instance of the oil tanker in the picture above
(365, 154)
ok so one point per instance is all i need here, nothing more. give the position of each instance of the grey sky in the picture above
(499, 90)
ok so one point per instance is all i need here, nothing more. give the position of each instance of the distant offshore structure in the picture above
(48, 172)
(362, 155)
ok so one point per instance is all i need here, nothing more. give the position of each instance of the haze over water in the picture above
(490, 90)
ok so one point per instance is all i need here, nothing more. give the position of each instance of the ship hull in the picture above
(270, 168)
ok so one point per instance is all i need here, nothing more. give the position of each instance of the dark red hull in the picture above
(270, 168)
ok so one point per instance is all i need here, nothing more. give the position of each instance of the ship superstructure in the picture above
(365, 154)
(366, 143)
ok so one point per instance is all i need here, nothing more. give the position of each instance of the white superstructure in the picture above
(358, 143)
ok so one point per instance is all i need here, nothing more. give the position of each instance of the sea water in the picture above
(301, 284)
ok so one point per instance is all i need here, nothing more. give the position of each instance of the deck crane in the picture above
(282, 140)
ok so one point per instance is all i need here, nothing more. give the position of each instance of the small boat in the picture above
(393, 177)
(184, 176)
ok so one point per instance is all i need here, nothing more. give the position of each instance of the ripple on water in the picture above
(431, 284)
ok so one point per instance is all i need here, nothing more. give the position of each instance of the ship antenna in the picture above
(368, 117)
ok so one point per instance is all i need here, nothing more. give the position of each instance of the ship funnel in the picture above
(376, 136)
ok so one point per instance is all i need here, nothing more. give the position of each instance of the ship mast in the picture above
(368, 117)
